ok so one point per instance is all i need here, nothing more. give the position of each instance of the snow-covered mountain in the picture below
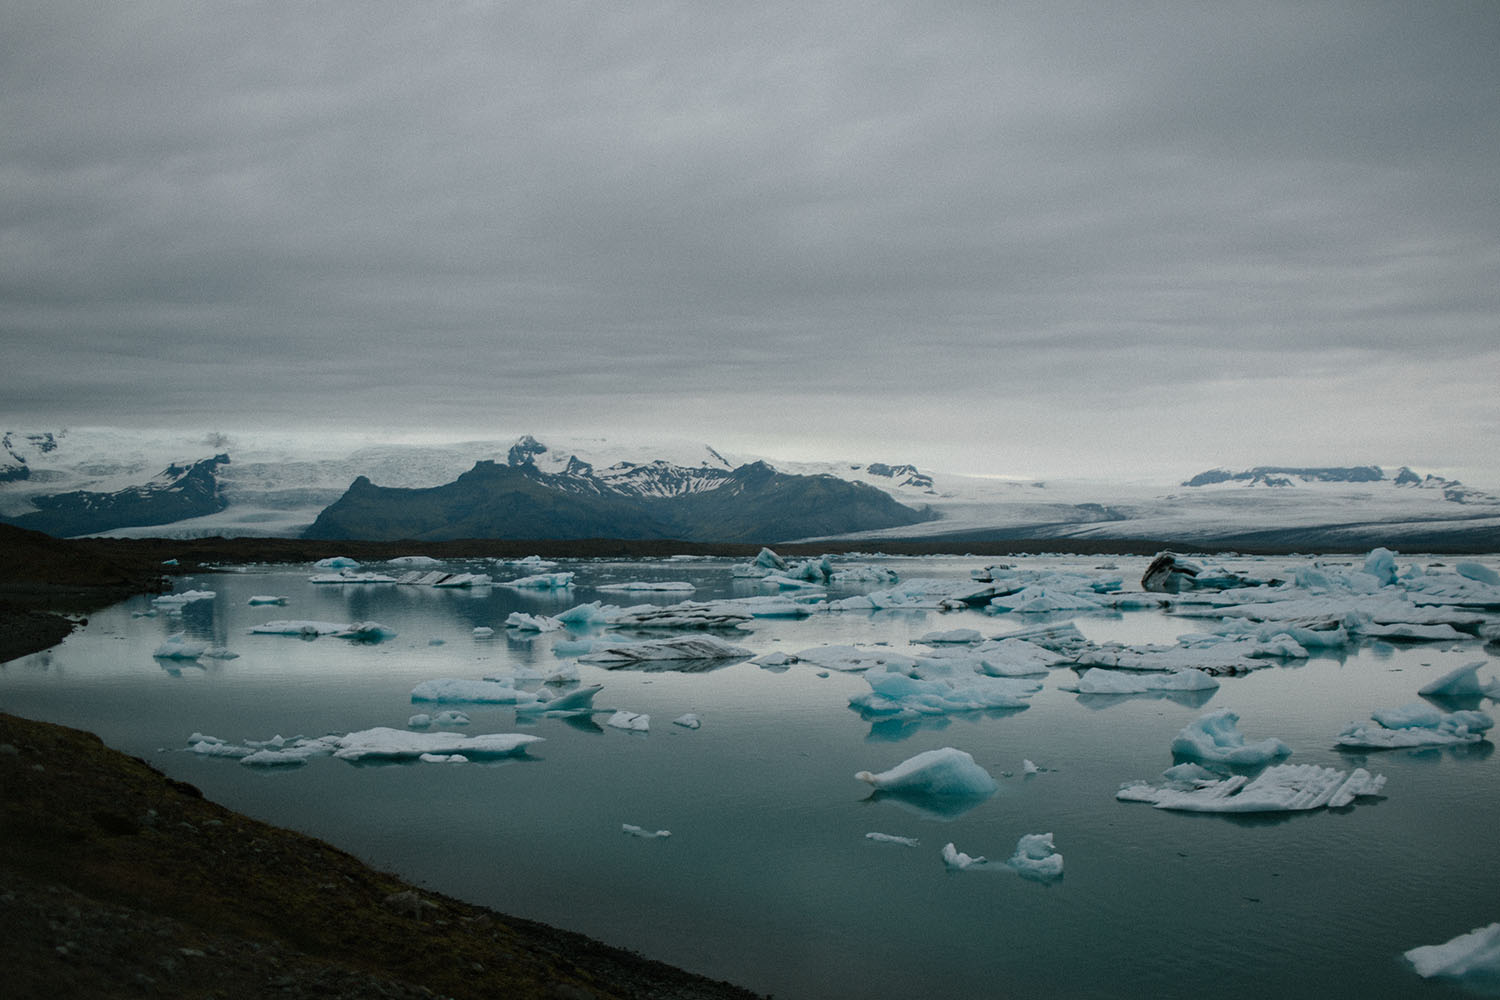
(278, 487)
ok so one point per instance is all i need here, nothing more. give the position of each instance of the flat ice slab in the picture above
(1475, 954)
(1283, 788)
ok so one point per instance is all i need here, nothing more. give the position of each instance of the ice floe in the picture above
(664, 586)
(541, 581)
(635, 722)
(688, 721)
(1215, 739)
(351, 577)
(1100, 681)
(891, 838)
(260, 599)
(943, 773)
(686, 647)
(359, 631)
(378, 744)
(1414, 725)
(896, 694)
(643, 833)
(532, 623)
(1282, 788)
(1036, 858)
(1462, 682)
(171, 601)
(1473, 955)
(958, 860)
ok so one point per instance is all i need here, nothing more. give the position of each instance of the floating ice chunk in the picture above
(865, 574)
(542, 581)
(1215, 738)
(212, 746)
(267, 599)
(367, 632)
(381, 743)
(850, 658)
(687, 647)
(593, 614)
(688, 721)
(179, 647)
(451, 717)
(348, 576)
(186, 597)
(532, 623)
(220, 653)
(458, 689)
(897, 693)
(1475, 954)
(958, 860)
(1015, 658)
(1059, 637)
(1035, 858)
(461, 581)
(944, 773)
(1460, 683)
(1360, 623)
(483, 632)
(1040, 600)
(1414, 725)
(642, 832)
(1283, 788)
(337, 562)
(664, 586)
(1477, 572)
(1097, 680)
(1381, 564)
(419, 721)
(413, 561)
(891, 838)
(633, 721)
(443, 758)
(686, 615)
(305, 629)
(1217, 658)
(576, 702)
(1028, 767)
(955, 635)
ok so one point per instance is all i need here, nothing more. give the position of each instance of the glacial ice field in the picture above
(866, 776)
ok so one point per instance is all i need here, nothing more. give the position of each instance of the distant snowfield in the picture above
(276, 486)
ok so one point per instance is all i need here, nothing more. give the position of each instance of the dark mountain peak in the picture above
(525, 451)
(179, 492)
(1287, 475)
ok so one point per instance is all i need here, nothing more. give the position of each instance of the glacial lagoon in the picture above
(769, 878)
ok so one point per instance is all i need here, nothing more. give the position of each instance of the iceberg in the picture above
(337, 562)
(642, 832)
(850, 658)
(579, 701)
(667, 586)
(1215, 738)
(382, 743)
(1282, 788)
(1097, 680)
(688, 721)
(305, 629)
(1475, 954)
(349, 576)
(688, 647)
(186, 597)
(179, 647)
(532, 623)
(458, 689)
(1414, 725)
(1463, 682)
(958, 860)
(893, 693)
(944, 773)
(635, 722)
(686, 615)
(1035, 858)
(542, 581)
(891, 838)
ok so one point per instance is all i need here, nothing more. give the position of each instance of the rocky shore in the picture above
(118, 881)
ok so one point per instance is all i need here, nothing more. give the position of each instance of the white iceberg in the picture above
(958, 860)
(899, 694)
(1215, 738)
(532, 623)
(687, 647)
(1476, 954)
(943, 773)
(1282, 788)
(1097, 680)
(688, 721)
(1461, 683)
(1035, 858)
(645, 834)
(349, 576)
(178, 646)
(635, 722)
(955, 635)
(891, 838)
(542, 581)
(686, 615)
(1414, 725)
(459, 689)
(382, 743)
(337, 562)
(664, 586)
(305, 629)
(851, 658)
(186, 597)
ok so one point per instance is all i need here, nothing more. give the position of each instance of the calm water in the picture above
(768, 879)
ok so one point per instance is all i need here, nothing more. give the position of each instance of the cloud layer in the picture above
(999, 238)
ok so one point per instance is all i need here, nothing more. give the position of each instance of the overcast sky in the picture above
(1094, 239)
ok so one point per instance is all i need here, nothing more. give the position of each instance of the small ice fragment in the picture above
(688, 721)
(891, 838)
(419, 721)
(483, 632)
(638, 831)
(633, 721)
(1475, 953)
(1036, 859)
(1027, 767)
(958, 860)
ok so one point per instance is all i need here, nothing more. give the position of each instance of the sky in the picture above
(1119, 240)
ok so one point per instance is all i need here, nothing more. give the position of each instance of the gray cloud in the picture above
(1089, 231)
